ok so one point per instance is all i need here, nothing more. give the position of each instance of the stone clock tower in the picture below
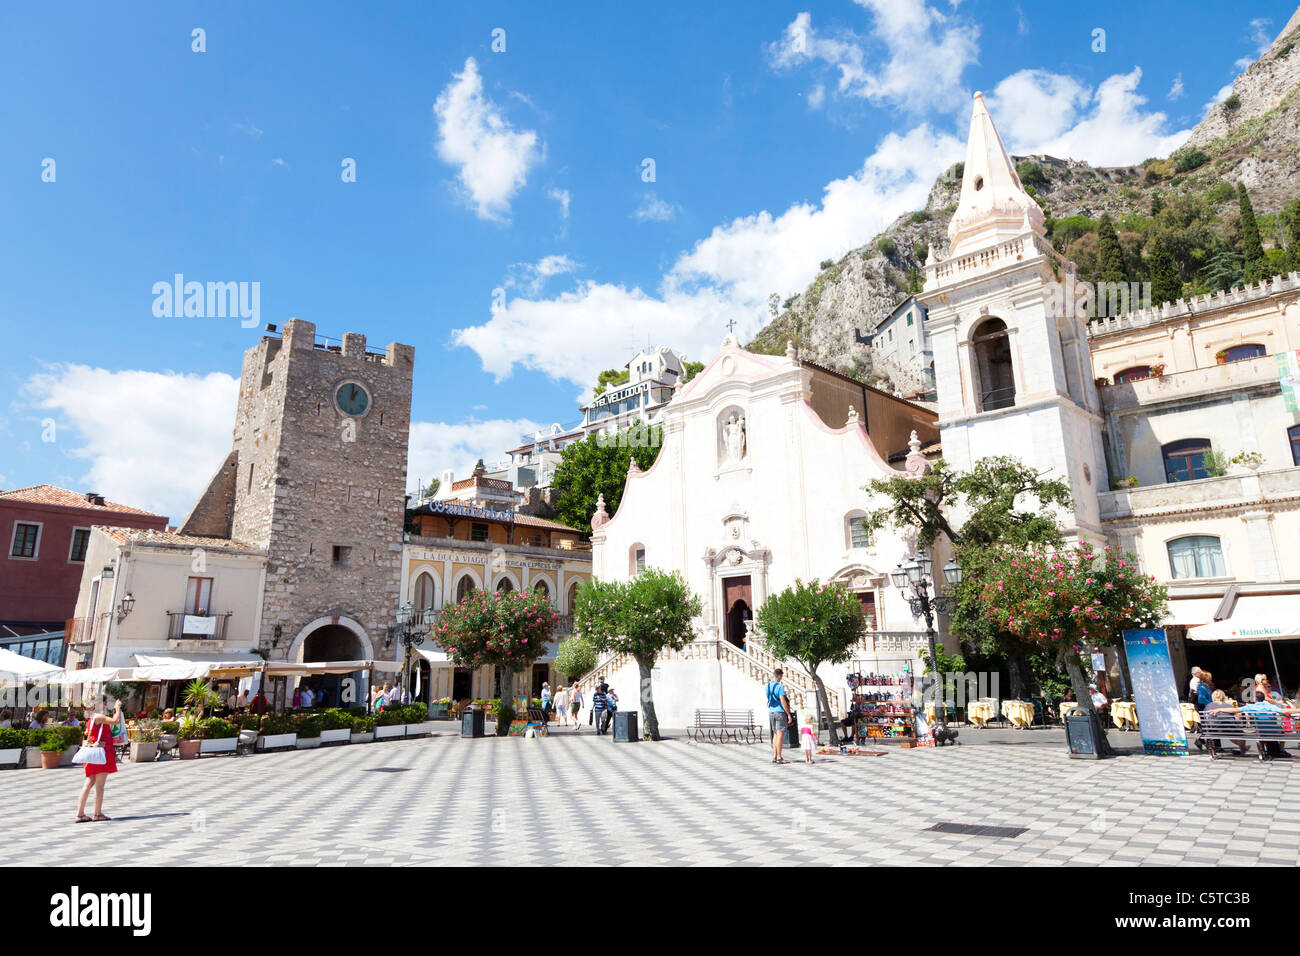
(1011, 360)
(319, 477)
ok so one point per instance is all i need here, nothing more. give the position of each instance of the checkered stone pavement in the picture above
(585, 799)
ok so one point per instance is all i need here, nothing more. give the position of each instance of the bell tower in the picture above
(1011, 361)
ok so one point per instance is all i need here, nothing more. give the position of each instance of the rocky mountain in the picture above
(1190, 198)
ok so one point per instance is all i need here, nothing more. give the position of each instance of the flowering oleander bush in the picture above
(505, 629)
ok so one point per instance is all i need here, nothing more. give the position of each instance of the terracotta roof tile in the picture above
(121, 535)
(63, 498)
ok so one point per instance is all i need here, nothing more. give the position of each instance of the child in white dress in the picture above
(807, 738)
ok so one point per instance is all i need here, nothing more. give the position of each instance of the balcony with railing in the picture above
(188, 626)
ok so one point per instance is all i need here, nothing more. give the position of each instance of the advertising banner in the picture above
(1155, 692)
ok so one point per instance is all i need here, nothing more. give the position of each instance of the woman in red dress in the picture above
(99, 730)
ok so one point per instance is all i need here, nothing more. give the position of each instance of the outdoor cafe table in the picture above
(1019, 712)
(1069, 707)
(981, 712)
(1191, 719)
(1124, 712)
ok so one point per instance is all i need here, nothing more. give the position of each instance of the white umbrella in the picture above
(15, 667)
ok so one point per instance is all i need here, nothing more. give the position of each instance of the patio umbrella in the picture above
(16, 667)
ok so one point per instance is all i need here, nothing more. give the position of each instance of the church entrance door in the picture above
(738, 599)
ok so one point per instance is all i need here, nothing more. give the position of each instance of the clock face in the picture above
(352, 399)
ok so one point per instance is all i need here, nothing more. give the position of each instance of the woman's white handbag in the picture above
(89, 754)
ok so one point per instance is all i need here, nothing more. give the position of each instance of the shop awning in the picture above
(92, 675)
(435, 658)
(184, 668)
(347, 667)
(16, 667)
(1255, 617)
(1192, 612)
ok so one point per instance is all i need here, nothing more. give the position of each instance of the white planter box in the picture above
(226, 745)
(381, 733)
(363, 738)
(66, 759)
(276, 741)
(340, 736)
(31, 757)
(143, 751)
(11, 758)
(307, 743)
(420, 730)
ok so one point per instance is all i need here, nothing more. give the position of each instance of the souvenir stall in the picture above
(883, 703)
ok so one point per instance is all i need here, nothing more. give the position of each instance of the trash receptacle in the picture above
(471, 723)
(1083, 735)
(625, 727)
(792, 730)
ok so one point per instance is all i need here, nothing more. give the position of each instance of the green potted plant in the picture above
(190, 734)
(390, 723)
(504, 714)
(309, 731)
(336, 726)
(70, 738)
(218, 736)
(143, 736)
(1249, 460)
(51, 750)
(169, 739)
(12, 742)
(439, 708)
(363, 728)
(279, 731)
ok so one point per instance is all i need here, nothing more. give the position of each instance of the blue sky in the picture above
(781, 135)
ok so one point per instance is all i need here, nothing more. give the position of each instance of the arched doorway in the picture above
(991, 341)
(334, 642)
(736, 618)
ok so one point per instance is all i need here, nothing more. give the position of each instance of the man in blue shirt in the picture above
(1265, 715)
(599, 707)
(778, 713)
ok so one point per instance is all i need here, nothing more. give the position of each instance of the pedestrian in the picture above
(1205, 690)
(242, 702)
(807, 738)
(778, 713)
(99, 733)
(561, 704)
(575, 707)
(232, 702)
(308, 698)
(611, 705)
(598, 706)
(297, 698)
(1193, 684)
(546, 703)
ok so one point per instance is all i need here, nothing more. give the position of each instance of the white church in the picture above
(760, 480)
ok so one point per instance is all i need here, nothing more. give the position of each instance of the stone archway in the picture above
(335, 638)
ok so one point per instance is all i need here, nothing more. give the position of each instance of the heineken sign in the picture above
(465, 511)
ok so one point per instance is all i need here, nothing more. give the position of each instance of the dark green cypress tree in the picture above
(1166, 283)
(1111, 258)
(1252, 249)
(1293, 235)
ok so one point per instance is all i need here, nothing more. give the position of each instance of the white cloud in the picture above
(1022, 22)
(248, 129)
(726, 275)
(474, 135)
(1041, 112)
(562, 197)
(532, 276)
(912, 57)
(1176, 92)
(278, 161)
(654, 209)
(148, 439)
(437, 446)
(817, 96)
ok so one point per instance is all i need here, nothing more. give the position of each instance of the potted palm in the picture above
(309, 731)
(336, 726)
(218, 736)
(363, 728)
(11, 746)
(144, 740)
(190, 733)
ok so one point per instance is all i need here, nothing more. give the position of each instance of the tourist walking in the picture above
(611, 705)
(546, 703)
(778, 713)
(561, 704)
(599, 704)
(575, 706)
(99, 733)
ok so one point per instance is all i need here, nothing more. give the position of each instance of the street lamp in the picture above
(410, 629)
(915, 574)
(125, 606)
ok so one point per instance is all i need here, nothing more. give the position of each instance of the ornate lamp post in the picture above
(915, 574)
(411, 628)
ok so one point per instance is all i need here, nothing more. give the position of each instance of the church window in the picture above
(858, 537)
(1185, 460)
(979, 183)
(637, 564)
(1239, 353)
(1134, 374)
(996, 379)
(1196, 556)
(909, 318)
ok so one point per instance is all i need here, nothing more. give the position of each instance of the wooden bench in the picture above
(718, 725)
(1258, 729)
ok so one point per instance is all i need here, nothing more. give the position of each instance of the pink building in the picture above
(45, 532)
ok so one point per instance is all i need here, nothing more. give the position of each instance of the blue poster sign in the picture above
(1155, 692)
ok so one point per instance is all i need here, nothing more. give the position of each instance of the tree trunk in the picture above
(646, 667)
(1080, 684)
(823, 704)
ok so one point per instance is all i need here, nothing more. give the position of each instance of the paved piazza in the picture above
(584, 799)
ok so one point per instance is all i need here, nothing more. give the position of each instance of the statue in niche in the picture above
(733, 436)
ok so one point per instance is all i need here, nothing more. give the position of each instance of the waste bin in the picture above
(625, 727)
(1083, 735)
(471, 723)
(792, 730)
